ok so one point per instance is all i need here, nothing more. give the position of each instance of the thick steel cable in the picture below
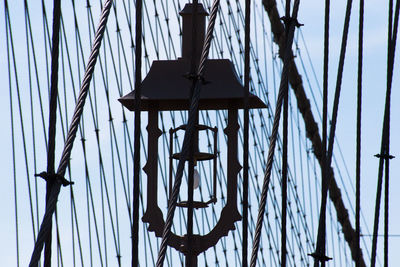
(51, 205)
(190, 258)
(188, 136)
(358, 138)
(311, 126)
(320, 247)
(284, 178)
(324, 168)
(53, 115)
(136, 155)
(384, 153)
(245, 212)
(274, 134)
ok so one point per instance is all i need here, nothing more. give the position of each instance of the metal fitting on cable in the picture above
(384, 156)
(319, 257)
(290, 19)
(53, 178)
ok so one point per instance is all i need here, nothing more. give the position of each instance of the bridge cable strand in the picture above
(324, 169)
(274, 134)
(319, 254)
(196, 86)
(312, 133)
(51, 205)
(52, 116)
(136, 155)
(384, 153)
(245, 213)
(358, 138)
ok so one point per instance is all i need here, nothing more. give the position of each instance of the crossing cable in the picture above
(285, 74)
(136, 155)
(384, 153)
(319, 254)
(261, 86)
(52, 117)
(312, 129)
(246, 135)
(196, 86)
(358, 138)
(261, 119)
(59, 176)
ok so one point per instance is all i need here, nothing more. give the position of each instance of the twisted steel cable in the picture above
(274, 134)
(45, 226)
(188, 136)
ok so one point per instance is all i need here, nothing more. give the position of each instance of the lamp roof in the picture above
(166, 87)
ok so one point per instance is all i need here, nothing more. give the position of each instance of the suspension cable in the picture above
(188, 135)
(319, 254)
(384, 152)
(52, 116)
(284, 178)
(59, 177)
(136, 155)
(271, 151)
(245, 207)
(358, 138)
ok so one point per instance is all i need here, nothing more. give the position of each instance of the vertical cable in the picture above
(8, 40)
(191, 259)
(324, 168)
(320, 249)
(136, 154)
(246, 134)
(52, 116)
(384, 153)
(285, 146)
(358, 141)
(59, 176)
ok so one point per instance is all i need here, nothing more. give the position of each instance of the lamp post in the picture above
(165, 88)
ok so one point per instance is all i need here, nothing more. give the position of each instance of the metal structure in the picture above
(167, 88)
(196, 98)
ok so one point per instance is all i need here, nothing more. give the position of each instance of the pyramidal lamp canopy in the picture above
(166, 86)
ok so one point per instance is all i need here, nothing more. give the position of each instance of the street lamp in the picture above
(167, 88)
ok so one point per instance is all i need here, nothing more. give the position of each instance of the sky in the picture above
(374, 86)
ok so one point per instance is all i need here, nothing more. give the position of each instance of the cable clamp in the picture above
(319, 257)
(287, 21)
(193, 76)
(384, 156)
(54, 177)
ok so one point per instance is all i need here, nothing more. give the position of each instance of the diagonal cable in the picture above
(273, 138)
(51, 205)
(188, 135)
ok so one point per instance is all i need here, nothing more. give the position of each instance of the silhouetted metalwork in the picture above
(167, 87)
